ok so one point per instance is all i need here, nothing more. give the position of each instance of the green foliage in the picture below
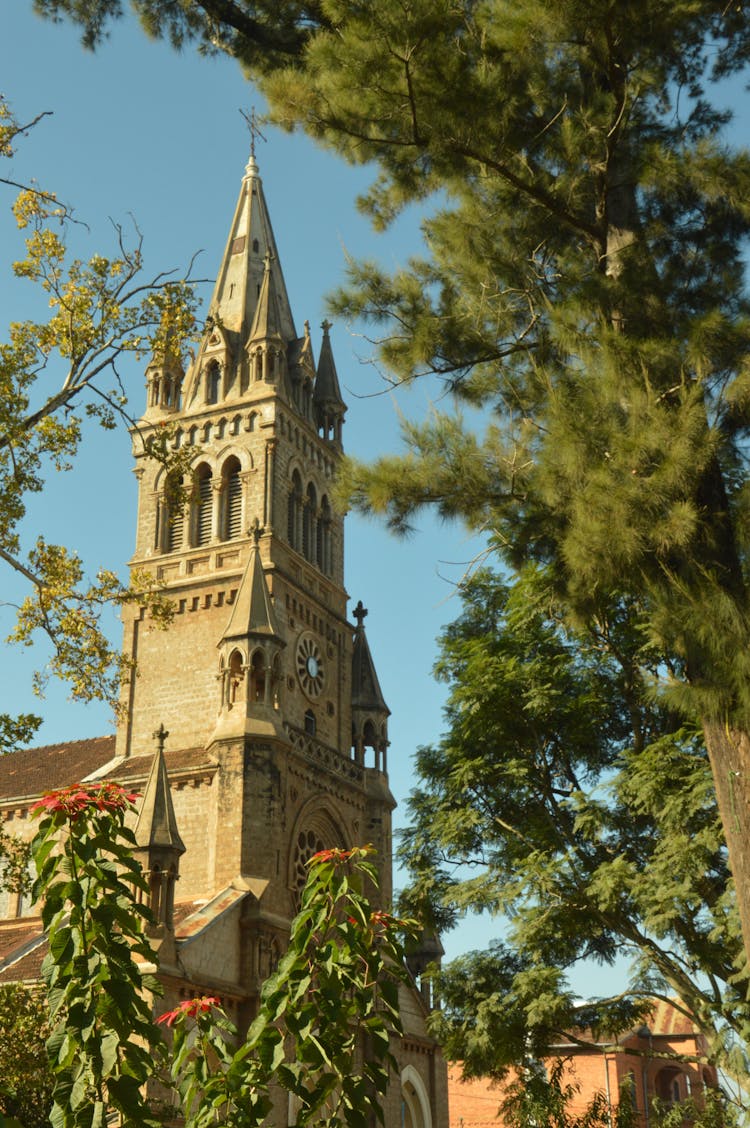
(103, 1043)
(569, 800)
(326, 1016)
(25, 1078)
(325, 1020)
(55, 374)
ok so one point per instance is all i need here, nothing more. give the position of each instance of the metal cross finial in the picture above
(251, 120)
(325, 325)
(256, 532)
(360, 611)
(160, 736)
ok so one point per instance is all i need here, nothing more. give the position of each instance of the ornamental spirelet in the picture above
(75, 800)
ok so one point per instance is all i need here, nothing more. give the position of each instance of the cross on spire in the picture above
(251, 120)
(160, 736)
(256, 532)
(360, 612)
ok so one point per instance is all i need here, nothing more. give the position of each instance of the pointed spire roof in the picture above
(240, 278)
(327, 392)
(157, 824)
(366, 691)
(267, 321)
(252, 611)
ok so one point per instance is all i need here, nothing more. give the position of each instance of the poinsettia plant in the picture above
(325, 1020)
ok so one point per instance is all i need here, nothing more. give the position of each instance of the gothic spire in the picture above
(267, 321)
(252, 612)
(240, 277)
(366, 691)
(156, 827)
(327, 394)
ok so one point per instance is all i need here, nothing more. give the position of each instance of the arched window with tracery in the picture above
(213, 382)
(294, 512)
(231, 495)
(202, 505)
(308, 522)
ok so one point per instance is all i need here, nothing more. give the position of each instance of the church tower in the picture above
(259, 669)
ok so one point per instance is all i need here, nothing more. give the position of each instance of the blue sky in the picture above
(141, 134)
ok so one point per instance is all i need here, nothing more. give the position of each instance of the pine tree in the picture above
(583, 284)
(570, 801)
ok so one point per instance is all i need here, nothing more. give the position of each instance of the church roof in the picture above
(327, 392)
(28, 773)
(157, 824)
(366, 691)
(252, 611)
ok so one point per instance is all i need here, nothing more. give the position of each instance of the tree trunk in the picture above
(729, 754)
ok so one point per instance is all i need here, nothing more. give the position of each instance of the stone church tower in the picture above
(273, 730)
(255, 727)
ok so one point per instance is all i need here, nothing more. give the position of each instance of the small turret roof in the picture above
(366, 691)
(157, 824)
(252, 611)
(267, 320)
(327, 392)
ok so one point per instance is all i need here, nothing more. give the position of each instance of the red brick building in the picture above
(650, 1061)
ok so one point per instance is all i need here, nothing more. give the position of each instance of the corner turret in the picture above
(369, 711)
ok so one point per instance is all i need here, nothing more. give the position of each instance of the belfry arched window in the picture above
(202, 505)
(294, 512)
(323, 550)
(231, 496)
(308, 522)
(174, 511)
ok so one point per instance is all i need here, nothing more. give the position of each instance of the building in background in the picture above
(255, 727)
(643, 1064)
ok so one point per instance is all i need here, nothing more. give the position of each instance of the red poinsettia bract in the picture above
(79, 797)
(189, 1009)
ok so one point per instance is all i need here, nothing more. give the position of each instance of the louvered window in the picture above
(204, 514)
(175, 528)
(233, 523)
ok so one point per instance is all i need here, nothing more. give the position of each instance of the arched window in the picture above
(415, 1104)
(231, 523)
(308, 522)
(258, 677)
(311, 725)
(213, 382)
(323, 550)
(203, 506)
(236, 676)
(294, 512)
(174, 510)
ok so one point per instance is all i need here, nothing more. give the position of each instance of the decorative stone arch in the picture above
(258, 672)
(415, 1103)
(213, 381)
(294, 509)
(317, 827)
(232, 450)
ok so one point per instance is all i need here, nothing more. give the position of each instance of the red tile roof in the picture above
(31, 771)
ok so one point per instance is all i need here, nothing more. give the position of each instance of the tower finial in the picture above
(360, 613)
(256, 532)
(252, 122)
(160, 736)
